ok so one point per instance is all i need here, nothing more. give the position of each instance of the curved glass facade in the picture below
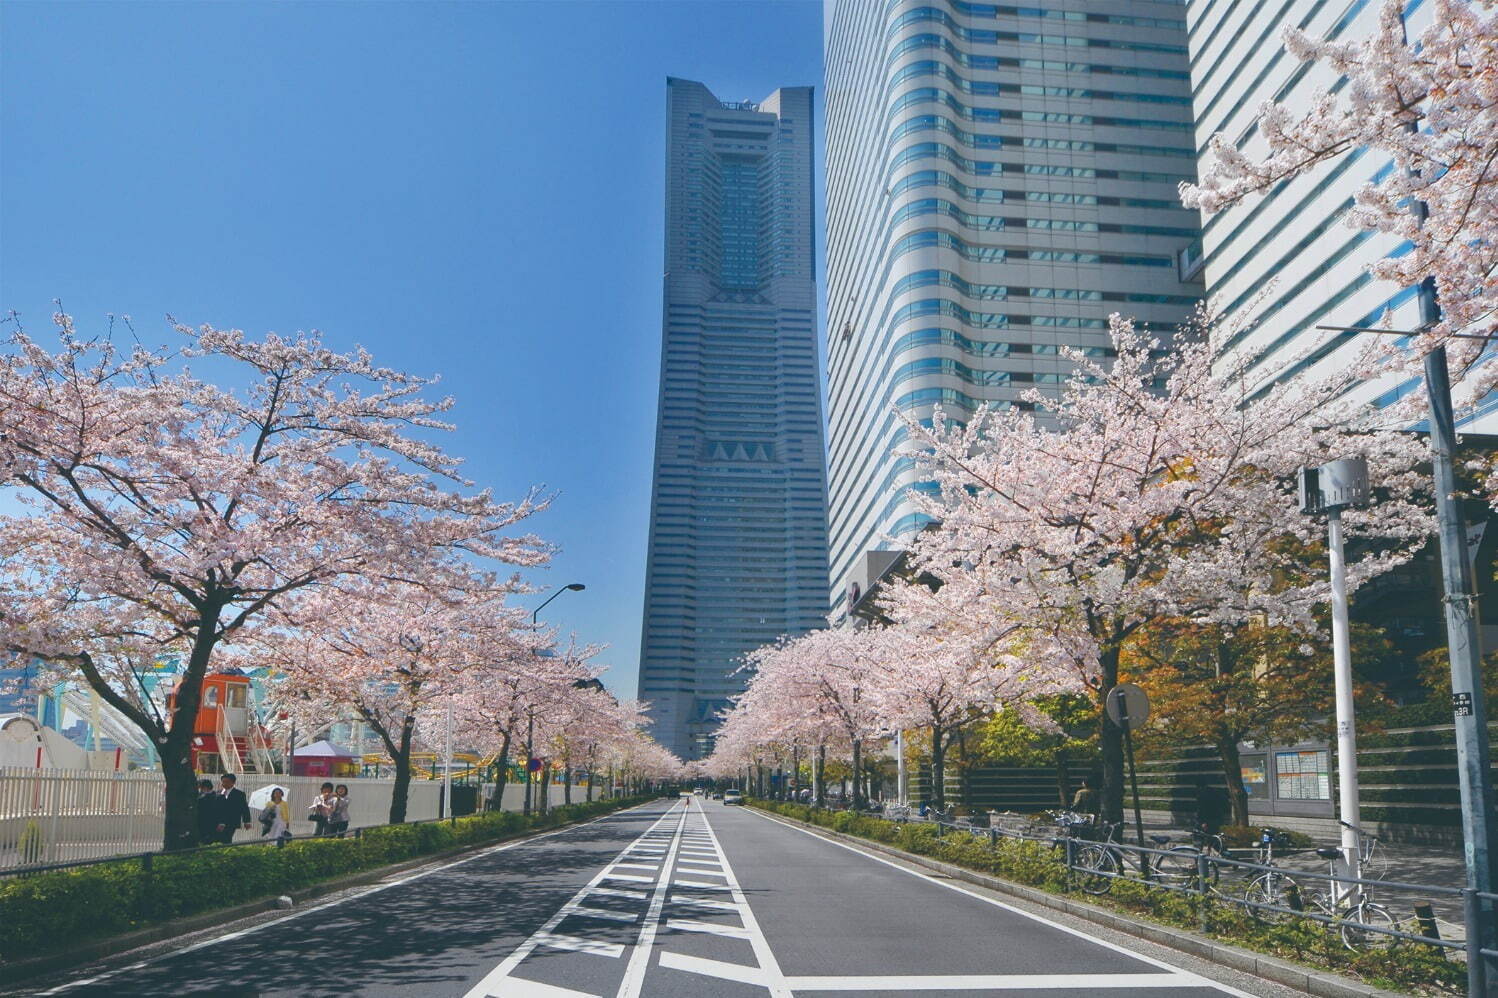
(999, 180)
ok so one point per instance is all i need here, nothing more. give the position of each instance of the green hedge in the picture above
(57, 910)
(1401, 967)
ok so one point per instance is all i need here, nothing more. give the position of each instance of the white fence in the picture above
(62, 815)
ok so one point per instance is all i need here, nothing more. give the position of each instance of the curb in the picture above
(1323, 984)
(19, 971)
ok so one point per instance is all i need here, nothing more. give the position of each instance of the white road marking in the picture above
(636, 866)
(343, 899)
(619, 892)
(1195, 979)
(712, 928)
(992, 982)
(713, 968)
(639, 958)
(704, 903)
(580, 945)
(633, 878)
(617, 916)
(519, 987)
(498, 980)
(701, 885)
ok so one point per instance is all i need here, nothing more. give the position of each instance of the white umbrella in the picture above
(261, 797)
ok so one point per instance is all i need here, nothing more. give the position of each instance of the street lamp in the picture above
(530, 724)
(1329, 489)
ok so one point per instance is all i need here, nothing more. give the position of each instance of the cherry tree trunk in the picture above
(1110, 736)
(501, 774)
(181, 802)
(1232, 772)
(819, 777)
(402, 759)
(567, 785)
(1063, 777)
(938, 768)
(857, 774)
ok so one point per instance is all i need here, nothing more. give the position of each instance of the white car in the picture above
(732, 797)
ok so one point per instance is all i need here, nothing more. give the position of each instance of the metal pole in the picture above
(1469, 708)
(1127, 725)
(1347, 743)
(530, 731)
(447, 767)
(901, 783)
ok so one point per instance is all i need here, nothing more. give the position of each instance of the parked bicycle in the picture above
(1272, 887)
(1101, 861)
(1351, 909)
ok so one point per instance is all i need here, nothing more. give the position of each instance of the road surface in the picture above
(676, 898)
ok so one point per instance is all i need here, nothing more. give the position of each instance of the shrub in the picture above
(57, 909)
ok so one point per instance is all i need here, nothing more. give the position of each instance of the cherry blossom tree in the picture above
(169, 514)
(1429, 104)
(1125, 505)
(395, 654)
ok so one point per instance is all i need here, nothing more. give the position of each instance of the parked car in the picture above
(732, 797)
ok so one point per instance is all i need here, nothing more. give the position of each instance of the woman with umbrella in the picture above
(275, 819)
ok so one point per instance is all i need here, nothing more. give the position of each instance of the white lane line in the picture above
(499, 977)
(636, 866)
(712, 928)
(713, 968)
(1196, 979)
(639, 959)
(633, 878)
(519, 987)
(991, 982)
(704, 903)
(769, 967)
(342, 899)
(617, 916)
(701, 885)
(618, 892)
(580, 945)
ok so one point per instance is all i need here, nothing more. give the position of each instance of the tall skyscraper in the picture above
(738, 535)
(1296, 236)
(999, 180)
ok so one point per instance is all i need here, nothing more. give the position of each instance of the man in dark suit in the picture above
(208, 812)
(234, 808)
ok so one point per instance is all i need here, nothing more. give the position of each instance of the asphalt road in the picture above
(684, 899)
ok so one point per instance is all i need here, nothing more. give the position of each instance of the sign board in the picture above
(1461, 704)
(534, 765)
(1127, 706)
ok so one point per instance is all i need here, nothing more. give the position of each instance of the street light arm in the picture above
(570, 587)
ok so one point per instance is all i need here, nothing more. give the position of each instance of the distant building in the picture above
(999, 180)
(738, 542)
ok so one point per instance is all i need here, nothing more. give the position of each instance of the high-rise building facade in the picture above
(738, 536)
(999, 180)
(1290, 255)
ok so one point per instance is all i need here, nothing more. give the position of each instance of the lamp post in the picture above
(530, 724)
(1330, 489)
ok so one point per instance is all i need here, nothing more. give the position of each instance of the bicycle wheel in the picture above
(1268, 888)
(1177, 867)
(1096, 867)
(1356, 937)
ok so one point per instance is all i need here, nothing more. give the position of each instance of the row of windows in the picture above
(995, 223)
(938, 239)
(1057, 14)
(930, 67)
(940, 336)
(988, 320)
(982, 168)
(936, 95)
(928, 366)
(996, 195)
(972, 61)
(1001, 292)
(982, 140)
(981, 36)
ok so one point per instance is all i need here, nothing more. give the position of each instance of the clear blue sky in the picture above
(471, 189)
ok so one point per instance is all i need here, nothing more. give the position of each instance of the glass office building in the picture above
(738, 537)
(999, 180)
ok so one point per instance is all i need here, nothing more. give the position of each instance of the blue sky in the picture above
(470, 189)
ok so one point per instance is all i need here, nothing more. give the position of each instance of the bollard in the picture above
(1425, 917)
(1201, 891)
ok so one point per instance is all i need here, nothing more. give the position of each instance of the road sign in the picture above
(1127, 706)
(534, 765)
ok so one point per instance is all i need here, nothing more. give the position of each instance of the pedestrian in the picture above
(208, 811)
(321, 809)
(338, 823)
(275, 820)
(234, 809)
(1212, 806)
(1086, 799)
